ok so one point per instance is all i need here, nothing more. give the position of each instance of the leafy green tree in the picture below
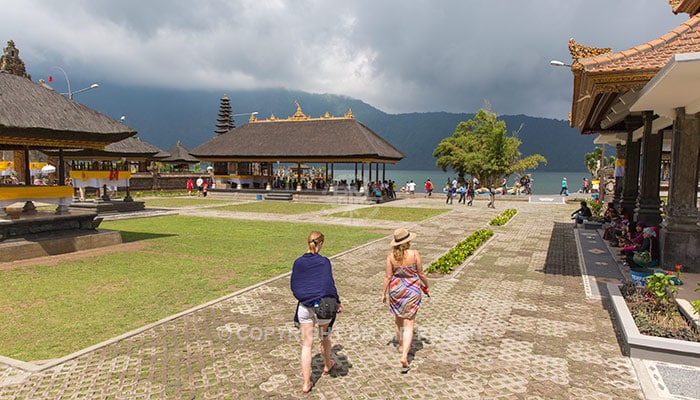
(481, 147)
(593, 163)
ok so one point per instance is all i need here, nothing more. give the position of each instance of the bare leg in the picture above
(407, 339)
(307, 342)
(328, 362)
(398, 322)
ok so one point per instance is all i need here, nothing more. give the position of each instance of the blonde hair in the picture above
(314, 240)
(399, 251)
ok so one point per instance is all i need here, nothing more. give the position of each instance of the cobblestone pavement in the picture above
(512, 323)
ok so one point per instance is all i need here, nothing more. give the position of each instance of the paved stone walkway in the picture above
(514, 322)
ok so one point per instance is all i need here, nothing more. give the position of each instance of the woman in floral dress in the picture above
(404, 280)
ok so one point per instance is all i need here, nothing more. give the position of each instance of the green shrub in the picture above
(460, 252)
(502, 218)
(659, 285)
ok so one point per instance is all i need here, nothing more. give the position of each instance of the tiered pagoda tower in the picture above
(224, 122)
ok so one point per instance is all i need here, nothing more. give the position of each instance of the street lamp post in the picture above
(557, 63)
(71, 93)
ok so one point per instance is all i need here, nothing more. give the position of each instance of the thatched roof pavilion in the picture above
(297, 139)
(35, 116)
(179, 155)
(300, 139)
(132, 148)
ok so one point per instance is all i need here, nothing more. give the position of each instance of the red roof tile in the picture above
(651, 55)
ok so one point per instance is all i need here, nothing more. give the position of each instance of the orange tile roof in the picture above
(651, 55)
(690, 7)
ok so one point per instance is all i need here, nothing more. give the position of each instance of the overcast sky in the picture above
(397, 55)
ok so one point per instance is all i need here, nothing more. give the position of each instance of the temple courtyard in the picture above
(517, 320)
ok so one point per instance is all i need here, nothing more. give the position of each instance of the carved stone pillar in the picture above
(630, 187)
(620, 155)
(648, 203)
(680, 235)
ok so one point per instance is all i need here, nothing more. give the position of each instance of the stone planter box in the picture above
(650, 347)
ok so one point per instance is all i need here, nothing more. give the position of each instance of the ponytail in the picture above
(314, 241)
(399, 251)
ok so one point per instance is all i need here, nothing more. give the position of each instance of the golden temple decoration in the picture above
(298, 116)
(580, 51)
(252, 118)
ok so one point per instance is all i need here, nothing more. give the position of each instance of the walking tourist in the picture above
(564, 187)
(448, 191)
(411, 187)
(190, 186)
(404, 281)
(313, 286)
(492, 197)
(199, 182)
(462, 195)
(428, 188)
(470, 195)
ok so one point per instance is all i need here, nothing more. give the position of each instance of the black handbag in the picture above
(326, 308)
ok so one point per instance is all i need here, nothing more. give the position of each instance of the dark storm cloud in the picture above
(450, 55)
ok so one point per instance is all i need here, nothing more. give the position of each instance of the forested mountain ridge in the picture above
(163, 117)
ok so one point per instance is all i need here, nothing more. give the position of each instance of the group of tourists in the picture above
(203, 185)
(313, 286)
(466, 192)
(638, 243)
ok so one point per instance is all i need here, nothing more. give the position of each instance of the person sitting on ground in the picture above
(582, 214)
(649, 244)
(632, 239)
(610, 212)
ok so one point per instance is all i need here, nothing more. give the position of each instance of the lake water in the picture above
(543, 182)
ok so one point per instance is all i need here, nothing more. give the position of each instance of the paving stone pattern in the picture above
(513, 323)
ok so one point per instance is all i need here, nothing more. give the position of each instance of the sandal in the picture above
(328, 371)
(305, 389)
(405, 367)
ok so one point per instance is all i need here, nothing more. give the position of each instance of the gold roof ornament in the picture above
(252, 118)
(580, 51)
(298, 116)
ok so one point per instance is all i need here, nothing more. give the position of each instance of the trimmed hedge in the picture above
(456, 256)
(502, 218)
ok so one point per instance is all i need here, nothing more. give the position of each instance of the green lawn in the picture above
(48, 311)
(180, 202)
(277, 207)
(391, 213)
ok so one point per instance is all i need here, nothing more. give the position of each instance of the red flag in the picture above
(50, 78)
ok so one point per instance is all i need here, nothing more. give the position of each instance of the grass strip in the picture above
(276, 207)
(391, 213)
(173, 263)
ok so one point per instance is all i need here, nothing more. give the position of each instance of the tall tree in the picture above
(593, 161)
(481, 147)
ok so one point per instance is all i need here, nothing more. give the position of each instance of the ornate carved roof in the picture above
(10, 61)
(690, 7)
(600, 79)
(580, 51)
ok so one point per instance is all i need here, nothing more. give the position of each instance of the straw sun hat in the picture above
(401, 236)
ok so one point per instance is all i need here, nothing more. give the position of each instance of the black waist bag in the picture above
(325, 308)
